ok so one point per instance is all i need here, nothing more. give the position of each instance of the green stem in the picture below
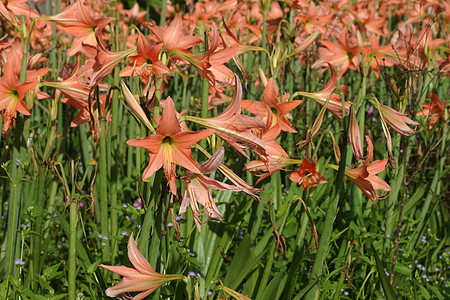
(37, 237)
(162, 20)
(329, 220)
(103, 190)
(72, 250)
(264, 33)
(113, 138)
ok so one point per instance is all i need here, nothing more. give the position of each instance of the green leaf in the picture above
(242, 264)
(388, 291)
(51, 272)
(307, 288)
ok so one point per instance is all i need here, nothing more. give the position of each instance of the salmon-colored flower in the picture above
(275, 157)
(315, 20)
(70, 86)
(434, 110)
(217, 58)
(146, 62)
(341, 55)
(170, 146)
(12, 91)
(76, 19)
(197, 189)
(355, 136)
(397, 120)
(365, 176)
(335, 103)
(142, 278)
(232, 126)
(171, 37)
(101, 62)
(307, 175)
(273, 105)
(233, 293)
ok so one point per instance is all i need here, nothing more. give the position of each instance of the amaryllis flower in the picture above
(70, 86)
(233, 293)
(101, 62)
(335, 103)
(77, 20)
(232, 126)
(146, 62)
(341, 55)
(307, 175)
(433, 110)
(365, 176)
(170, 146)
(197, 189)
(355, 136)
(171, 37)
(314, 20)
(396, 120)
(12, 91)
(142, 278)
(217, 58)
(273, 105)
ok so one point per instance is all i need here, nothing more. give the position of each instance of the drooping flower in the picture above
(278, 107)
(170, 146)
(355, 136)
(232, 126)
(365, 176)
(335, 103)
(233, 293)
(142, 278)
(197, 189)
(307, 175)
(397, 120)
(101, 62)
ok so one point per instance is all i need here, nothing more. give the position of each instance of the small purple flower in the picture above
(370, 111)
(81, 204)
(178, 218)
(170, 224)
(138, 204)
(19, 262)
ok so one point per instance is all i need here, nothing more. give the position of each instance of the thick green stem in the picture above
(162, 20)
(37, 237)
(113, 139)
(266, 6)
(72, 250)
(103, 192)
